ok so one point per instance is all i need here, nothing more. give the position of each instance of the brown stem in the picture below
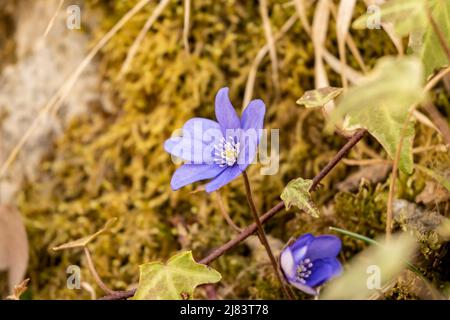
(94, 273)
(438, 31)
(338, 157)
(390, 203)
(225, 214)
(438, 120)
(262, 234)
(251, 229)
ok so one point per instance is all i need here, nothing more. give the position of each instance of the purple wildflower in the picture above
(311, 261)
(220, 150)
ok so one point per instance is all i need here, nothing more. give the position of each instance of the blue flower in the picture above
(220, 150)
(311, 261)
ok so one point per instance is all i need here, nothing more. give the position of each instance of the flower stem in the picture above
(395, 165)
(262, 234)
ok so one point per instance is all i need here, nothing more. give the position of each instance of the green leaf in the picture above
(381, 103)
(409, 18)
(358, 236)
(297, 193)
(175, 280)
(431, 52)
(320, 97)
(406, 15)
(373, 269)
(442, 180)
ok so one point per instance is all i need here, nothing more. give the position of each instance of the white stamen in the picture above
(227, 152)
(303, 270)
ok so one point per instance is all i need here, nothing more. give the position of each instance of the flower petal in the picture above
(189, 173)
(229, 174)
(252, 124)
(304, 288)
(300, 247)
(197, 143)
(193, 151)
(336, 267)
(201, 129)
(225, 112)
(253, 115)
(287, 263)
(324, 246)
(323, 270)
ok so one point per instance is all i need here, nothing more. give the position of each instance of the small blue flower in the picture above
(311, 261)
(217, 150)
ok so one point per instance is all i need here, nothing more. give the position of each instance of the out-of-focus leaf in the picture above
(409, 18)
(381, 103)
(406, 15)
(431, 52)
(80, 243)
(175, 280)
(19, 290)
(13, 245)
(297, 193)
(319, 98)
(442, 180)
(385, 261)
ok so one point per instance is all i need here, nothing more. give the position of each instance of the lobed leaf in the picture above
(381, 103)
(175, 280)
(297, 193)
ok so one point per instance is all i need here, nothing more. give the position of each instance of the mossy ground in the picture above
(112, 164)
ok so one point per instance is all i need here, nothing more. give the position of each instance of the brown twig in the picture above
(337, 158)
(224, 212)
(94, 273)
(438, 31)
(251, 229)
(262, 234)
(438, 120)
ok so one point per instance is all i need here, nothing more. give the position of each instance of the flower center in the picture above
(227, 152)
(304, 270)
